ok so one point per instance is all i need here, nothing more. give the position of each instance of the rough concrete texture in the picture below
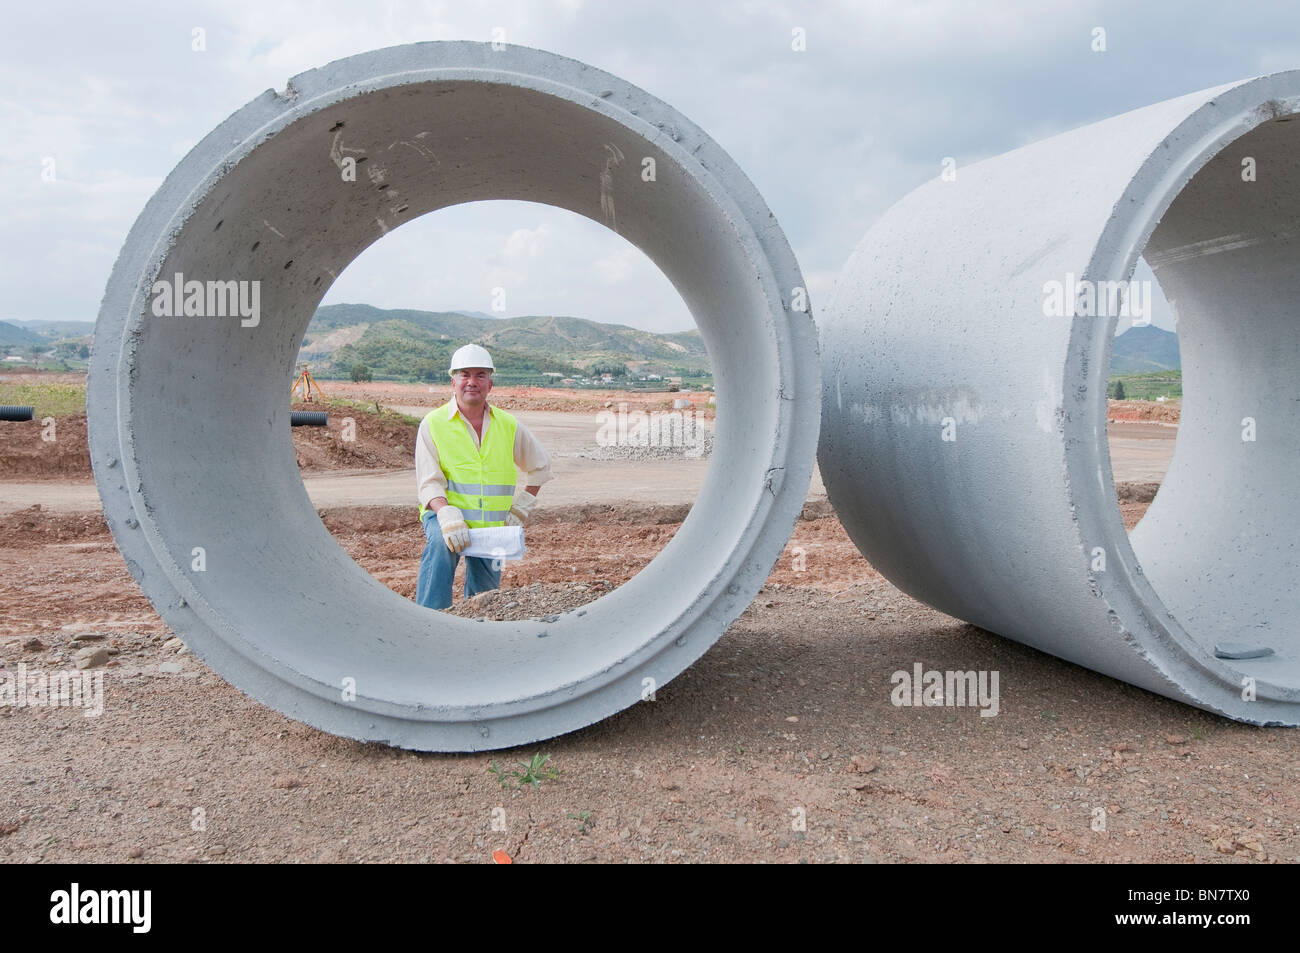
(938, 329)
(189, 421)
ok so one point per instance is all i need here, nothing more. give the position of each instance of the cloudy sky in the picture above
(106, 98)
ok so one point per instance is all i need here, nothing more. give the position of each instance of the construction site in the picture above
(903, 585)
(788, 716)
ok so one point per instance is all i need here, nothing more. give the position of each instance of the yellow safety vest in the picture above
(480, 480)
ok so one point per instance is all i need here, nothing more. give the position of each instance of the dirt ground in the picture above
(1168, 412)
(781, 744)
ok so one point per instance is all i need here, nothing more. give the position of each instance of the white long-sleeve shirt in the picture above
(431, 482)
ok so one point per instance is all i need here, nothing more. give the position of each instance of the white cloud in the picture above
(831, 136)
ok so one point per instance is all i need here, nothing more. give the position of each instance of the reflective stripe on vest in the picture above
(480, 480)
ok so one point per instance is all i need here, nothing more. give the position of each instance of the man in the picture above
(466, 455)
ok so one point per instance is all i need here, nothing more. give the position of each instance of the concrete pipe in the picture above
(208, 507)
(966, 354)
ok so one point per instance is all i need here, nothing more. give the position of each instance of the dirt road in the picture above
(1139, 452)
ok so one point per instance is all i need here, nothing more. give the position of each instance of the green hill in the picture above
(11, 335)
(417, 345)
(1144, 349)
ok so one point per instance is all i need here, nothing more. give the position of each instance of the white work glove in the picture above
(455, 531)
(520, 508)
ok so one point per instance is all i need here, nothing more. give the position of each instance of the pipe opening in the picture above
(627, 458)
(1219, 542)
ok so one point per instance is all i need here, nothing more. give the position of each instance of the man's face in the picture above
(471, 386)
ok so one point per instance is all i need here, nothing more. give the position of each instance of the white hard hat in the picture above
(471, 355)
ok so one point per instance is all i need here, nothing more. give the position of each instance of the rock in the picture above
(173, 645)
(170, 668)
(216, 850)
(1224, 845)
(889, 749)
(1176, 739)
(86, 637)
(33, 645)
(286, 782)
(135, 853)
(863, 764)
(91, 657)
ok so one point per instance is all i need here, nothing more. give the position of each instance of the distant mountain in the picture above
(11, 335)
(480, 314)
(56, 329)
(419, 344)
(1143, 349)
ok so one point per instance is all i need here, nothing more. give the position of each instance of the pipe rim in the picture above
(1206, 133)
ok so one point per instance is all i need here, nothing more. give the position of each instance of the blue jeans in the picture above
(438, 568)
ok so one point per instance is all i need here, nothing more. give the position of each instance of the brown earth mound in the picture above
(382, 441)
(30, 450)
(1168, 412)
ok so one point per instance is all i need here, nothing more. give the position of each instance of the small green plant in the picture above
(534, 772)
(585, 823)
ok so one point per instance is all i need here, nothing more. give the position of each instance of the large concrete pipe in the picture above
(964, 426)
(189, 425)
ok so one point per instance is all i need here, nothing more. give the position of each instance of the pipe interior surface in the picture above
(1219, 541)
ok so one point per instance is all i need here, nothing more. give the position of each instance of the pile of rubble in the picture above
(541, 600)
(697, 446)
